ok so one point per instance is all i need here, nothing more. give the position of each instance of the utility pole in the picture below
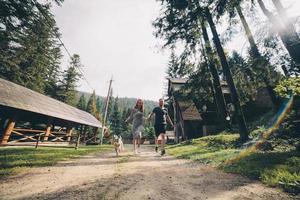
(106, 109)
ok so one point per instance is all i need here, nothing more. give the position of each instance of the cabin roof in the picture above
(19, 97)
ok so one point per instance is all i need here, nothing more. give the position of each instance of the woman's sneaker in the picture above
(163, 152)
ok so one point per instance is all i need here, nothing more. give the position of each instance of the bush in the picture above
(289, 86)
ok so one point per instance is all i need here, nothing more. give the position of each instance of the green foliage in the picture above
(179, 67)
(15, 159)
(124, 102)
(288, 87)
(126, 131)
(82, 105)
(67, 88)
(243, 77)
(29, 52)
(149, 132)
(273, 168)
(91, 105)
(99, 104)
(115, 119)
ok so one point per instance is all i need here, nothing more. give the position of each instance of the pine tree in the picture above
(29, 53)
(82, 105)
(71, 76)
(99, 104)
(126, 132)
(91, 105)
(179, 67)
(115, 119)
(173, 67)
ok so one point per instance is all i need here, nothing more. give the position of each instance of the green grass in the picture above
(210, 149)
(16, 159)
(278, 169)
(275, 168)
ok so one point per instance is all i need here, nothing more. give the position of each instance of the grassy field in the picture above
(275, 168)
(16, 159)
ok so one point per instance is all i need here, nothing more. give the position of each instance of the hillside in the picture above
(124, 102)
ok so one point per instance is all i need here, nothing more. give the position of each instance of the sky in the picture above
(114, 38)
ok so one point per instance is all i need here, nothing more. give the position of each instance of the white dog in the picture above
(118, 144)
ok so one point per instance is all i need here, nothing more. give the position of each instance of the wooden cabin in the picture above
(187, 119)
(27, 116)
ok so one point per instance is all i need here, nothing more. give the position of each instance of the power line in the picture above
(60, 40)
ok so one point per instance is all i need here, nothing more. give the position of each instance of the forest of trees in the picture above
(118, 111)
(31, 52)
(190, 30)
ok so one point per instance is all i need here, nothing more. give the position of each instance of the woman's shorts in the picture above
(160, 129)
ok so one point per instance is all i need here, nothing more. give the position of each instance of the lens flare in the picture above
(284, 109)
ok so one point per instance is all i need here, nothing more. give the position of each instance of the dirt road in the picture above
(144, 176)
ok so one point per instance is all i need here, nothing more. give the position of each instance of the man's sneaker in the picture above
(163, 152)
(156, 149)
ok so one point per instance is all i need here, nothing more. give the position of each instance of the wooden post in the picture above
(69, 133)
(84, 133)
(9, 128)
(48, 132)
(78, 137)
(37, 141)
(106, 109)
(175, 120)
(95, 134)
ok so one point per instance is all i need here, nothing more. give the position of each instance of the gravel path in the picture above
(144, 176)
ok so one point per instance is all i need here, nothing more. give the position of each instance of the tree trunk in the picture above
(254, 49)
(290, 30)
(255, 54)
(234, 95)
(216, 79)
(287, 34)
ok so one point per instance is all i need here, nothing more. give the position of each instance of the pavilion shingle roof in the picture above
(19, 97)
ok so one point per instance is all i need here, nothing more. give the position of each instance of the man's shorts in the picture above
(160, 129)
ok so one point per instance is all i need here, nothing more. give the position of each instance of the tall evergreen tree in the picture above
(259, 67)
(82, 105)
(179, 22)
(286, 30)
(126, 131)
(91, 105)
(219, 96)
(115, 118)
(99, 104)
(71, 76)
(179, 67)
(29, 52)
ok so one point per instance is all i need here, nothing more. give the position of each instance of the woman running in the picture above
(137, 118)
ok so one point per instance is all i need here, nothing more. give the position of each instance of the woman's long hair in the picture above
(141, 109)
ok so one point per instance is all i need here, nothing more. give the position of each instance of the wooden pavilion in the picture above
(28, 116)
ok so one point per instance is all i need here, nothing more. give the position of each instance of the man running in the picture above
(161, 118)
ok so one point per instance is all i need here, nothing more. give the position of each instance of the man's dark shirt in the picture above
(160, 116)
